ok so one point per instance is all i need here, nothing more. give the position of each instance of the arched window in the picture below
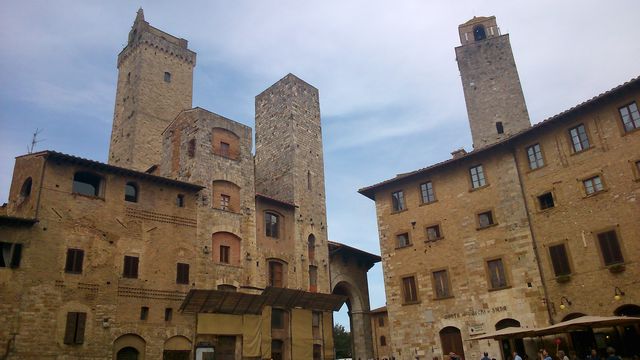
(131, 192)
(479, 33)
(271, 225)
(311, 247)
(25, 191)
(383, 341)
(86, 183)
(506, 323)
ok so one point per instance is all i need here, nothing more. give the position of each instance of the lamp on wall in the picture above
(617, 293)
(564, 303)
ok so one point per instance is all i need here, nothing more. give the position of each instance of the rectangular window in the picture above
(224, 201)
(409, 289)
(182, 273)
(167, 77)
(610, 248)
(485, 219)
(271, 225)
(579, 138)
(630, 117)
(144, 313)
(10, 255)
(477, 177)
(180, 200)
(559, 260)
(534, 154)
(74, 329)
(130, 267)
(224, 254)
(497, 278)
(545, 201)
(433, 233)
(74, 261)
(593, 185)
(224, 149)
(441, 284)
(277, 319)
(402, 240)
(397, 199)
(381, 321)
(275, 274)
(168, 314)
(426, 190)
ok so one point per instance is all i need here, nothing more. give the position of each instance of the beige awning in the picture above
(510, 332)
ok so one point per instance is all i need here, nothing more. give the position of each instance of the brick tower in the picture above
(289, 166)
(492, 91)
(155, 80)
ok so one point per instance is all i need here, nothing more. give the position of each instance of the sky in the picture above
(390, 93)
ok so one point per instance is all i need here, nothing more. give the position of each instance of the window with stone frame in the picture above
(477, 177)
(441, 284)
(630, 116)
(545, 201)
(579, 138)
(426, 192)
(168, 314)
(497, 276)
(88, 184)
(225, 200)
(167, 77)
(559, 260)
(397, 201)
(593, 185)
(182, 273)
(409, 289)
(131, 192)
(74, 328)
(485, 219)
(276, 274)
(225, 252)
(144, 313)
(610, 248)
(225, 149)
(434, 233)
(271, 225)
(10, 255)
(130, 269)
(73, 264)
(534, 154)
(402, 240)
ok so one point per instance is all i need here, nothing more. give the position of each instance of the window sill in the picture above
(486, 227)
(530, 170)
(628, 132)
(479, 188)
(500, 288)
(581, 151)
(616, 268)
(227, 211)
(403, 247)
(428, 203)
(596, 193)
(541, 211)
(411, 302)
(225, 156)
(398, 211)
(434, 240)
(443, 298)
(561, 279)
(228, 265)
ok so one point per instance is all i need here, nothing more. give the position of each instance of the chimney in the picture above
(459, 153)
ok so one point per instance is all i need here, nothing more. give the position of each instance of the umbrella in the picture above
(509, 332)
(586, 322)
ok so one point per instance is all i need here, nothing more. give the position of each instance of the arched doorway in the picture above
(627, 310)
(510, 345)
(129, 347)
(629, 334)
(128, 353)
(177, 348)
(451, 341)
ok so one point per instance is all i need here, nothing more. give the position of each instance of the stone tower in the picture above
(155, 80)
(492, 91)
(289, 166)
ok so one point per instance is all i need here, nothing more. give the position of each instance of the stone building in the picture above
(536, 225)
(185, 245)
(381, 333)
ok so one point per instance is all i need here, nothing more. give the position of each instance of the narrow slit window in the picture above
(499, 127)
(167, 77)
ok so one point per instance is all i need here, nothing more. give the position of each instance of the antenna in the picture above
(34, 141)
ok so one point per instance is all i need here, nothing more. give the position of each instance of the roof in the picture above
(369, 191)
(272, 199)
(335, 247)
(382, 309)
(53, 155)
(16, 221)
(476, 19)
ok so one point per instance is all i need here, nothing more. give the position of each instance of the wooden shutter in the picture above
(15, 257)
(610, 248)
(77, 266)
(182, 273)
(70, 329)
(81, 319)
(559, 260)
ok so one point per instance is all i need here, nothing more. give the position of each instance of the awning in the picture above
(510, 332)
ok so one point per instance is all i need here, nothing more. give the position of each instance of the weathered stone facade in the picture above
(466, 244)
(381, 333)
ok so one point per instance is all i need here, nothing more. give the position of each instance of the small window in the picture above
(224, 254)
(182, 273)
(426, 190)
(10, 255)
(128, 78)
(74, 329)
(167, 77)
(85, 183)
(383, 341)
(225, 200)
(74, 261)
(630, 117)
(191, 148)
(477, 177)
(485, 219)
(381, 321)
(131, 192)
(144, 313)
(409, 289)
(271, 225)
(130, 267)
(534, 154)
(593, 185)
(610, 248)
(224, 149)
(168, 314)
(180, 200)
(497, 277)
(308, 180)
(313, 279)
(579, 138)
(559, 260)
(433, 233)
(499, 127)
(397, 199)
(25, 190)
(441, 284)
(277, 319)
(311, 247)
(402, 240)
(479, 33)
(275, 274)
(545, 201)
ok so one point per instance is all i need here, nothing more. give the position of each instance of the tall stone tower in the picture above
(155, 81)
(492, 91)
(289, 166)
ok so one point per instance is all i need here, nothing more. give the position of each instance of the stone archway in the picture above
(129, 347)
(348, 269)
